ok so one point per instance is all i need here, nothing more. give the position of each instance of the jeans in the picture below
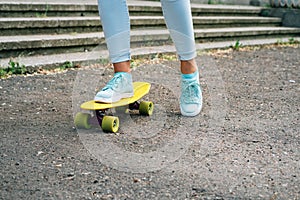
(116, 27)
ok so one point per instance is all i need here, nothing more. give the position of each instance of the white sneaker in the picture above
(119, 87)
(191, 98)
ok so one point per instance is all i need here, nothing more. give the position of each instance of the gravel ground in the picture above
(243, 145)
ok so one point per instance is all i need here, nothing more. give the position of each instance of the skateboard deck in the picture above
(140, 89)
(111, 123)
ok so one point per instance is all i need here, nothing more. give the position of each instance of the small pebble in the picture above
(136, 180)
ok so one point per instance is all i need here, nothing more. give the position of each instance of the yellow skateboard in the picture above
(111, 123)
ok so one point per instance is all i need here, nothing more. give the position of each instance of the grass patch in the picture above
(237, 45)
(227, 52)
(66, 65)
(13, 68)
(213, 2)
(291, 41)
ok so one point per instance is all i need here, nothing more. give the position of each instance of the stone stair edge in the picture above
(133, 5)
(86, 58)
(51, 22)
(132, 17)
(139, 36)
(51, 37)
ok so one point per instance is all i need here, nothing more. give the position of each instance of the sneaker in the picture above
(191, 98)
(119, 87)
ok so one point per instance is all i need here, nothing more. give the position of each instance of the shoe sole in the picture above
(114, 99)
(188, 114)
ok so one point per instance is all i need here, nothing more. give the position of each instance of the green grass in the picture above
(290, 41)
(293, 41)
(237, 45)
(211, 2)
(13, 68)
(66, 65)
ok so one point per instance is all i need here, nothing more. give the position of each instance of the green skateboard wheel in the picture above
(82, 120)
(110, 124)
(146, 108)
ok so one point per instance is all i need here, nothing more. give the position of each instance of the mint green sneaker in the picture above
(191, 97)
(119, 87)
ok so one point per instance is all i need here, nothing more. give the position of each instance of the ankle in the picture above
(188, 66)
(122, 67)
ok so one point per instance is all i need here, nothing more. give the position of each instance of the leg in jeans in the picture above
(178, 18)
(116, 27)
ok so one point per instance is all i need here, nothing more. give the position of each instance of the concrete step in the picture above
(61, 25)
(234, 21)
(12, 46)
(62, 31)
(225, 10)
(49, 25)
(221, 34)
(98, 55)
(89, 8)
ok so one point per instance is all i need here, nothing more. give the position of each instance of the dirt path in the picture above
(244, 144)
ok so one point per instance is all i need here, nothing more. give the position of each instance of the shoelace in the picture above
(113, 82)
(190, 91)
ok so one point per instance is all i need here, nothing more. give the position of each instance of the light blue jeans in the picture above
(116, 27)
